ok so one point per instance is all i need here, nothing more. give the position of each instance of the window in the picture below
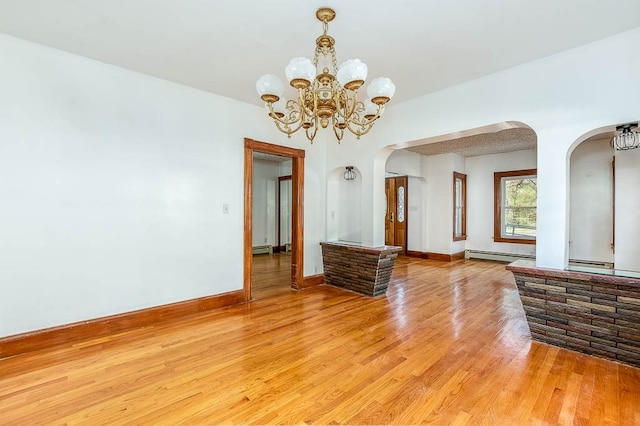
(459, 206)
(515, 216)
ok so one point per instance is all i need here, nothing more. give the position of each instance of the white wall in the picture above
(316, 181)
(417, 213)
(438, 171)
(404, 162)
(627, 196)
(591, 206)
(265, 191)
(344, 206)
(350, 208)
(113, 185)
(480, 206)
(284, 168)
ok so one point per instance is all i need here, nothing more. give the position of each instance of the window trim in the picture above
(463, 234)
(497, 205)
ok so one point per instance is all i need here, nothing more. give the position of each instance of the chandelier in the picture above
(328, 98)
(625, 138)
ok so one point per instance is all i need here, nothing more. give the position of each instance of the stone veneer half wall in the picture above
(365, 270)
(591, 313)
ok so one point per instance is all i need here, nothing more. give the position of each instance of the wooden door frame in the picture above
(297, 210)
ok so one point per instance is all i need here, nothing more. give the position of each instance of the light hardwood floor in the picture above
(271, 275)
(448, 344)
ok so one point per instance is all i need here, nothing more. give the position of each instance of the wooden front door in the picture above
(395, 221)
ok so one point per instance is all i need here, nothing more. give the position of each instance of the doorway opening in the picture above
(296, 210)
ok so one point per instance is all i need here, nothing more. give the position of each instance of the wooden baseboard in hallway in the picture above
(447, 344)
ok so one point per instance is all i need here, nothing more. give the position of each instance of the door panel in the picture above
(396, 217)
(389, 230)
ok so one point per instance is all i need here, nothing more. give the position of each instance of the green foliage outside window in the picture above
(520, 202)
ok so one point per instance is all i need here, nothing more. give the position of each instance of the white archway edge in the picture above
(627, 173)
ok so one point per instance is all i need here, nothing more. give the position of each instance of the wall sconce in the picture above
(625, 138)
(350, 174)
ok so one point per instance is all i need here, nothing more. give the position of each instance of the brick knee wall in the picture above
(596, 318)
(360, 269)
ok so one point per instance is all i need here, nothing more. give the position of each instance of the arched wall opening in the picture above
(344, 206)
(603, 229)
(476, 153)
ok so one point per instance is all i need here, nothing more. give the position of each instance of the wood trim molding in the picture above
(297, 222)
(69, 333)
(418, 254)
(497, 205)
(463, 178)
(248, 220)
(436, 256)
(313, 280)
(439, 256)
(270, 148)
(297, 209)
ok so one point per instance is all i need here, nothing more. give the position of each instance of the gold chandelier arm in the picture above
(338, 131)
(360, 119)
(284, 122)
(292, 117)
(286, 128)
(350, 104)
(312, 130)
(356, 122)
(359, 128)
(308, 101)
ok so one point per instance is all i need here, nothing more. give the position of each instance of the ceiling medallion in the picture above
(328, 98)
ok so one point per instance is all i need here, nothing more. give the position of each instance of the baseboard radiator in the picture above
(510, 257)
(591, 263)
(499, 257)
(266, 249)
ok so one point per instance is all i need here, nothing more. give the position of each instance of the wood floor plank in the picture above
(447, 344)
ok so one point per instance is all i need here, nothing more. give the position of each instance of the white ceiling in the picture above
(223, 46)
